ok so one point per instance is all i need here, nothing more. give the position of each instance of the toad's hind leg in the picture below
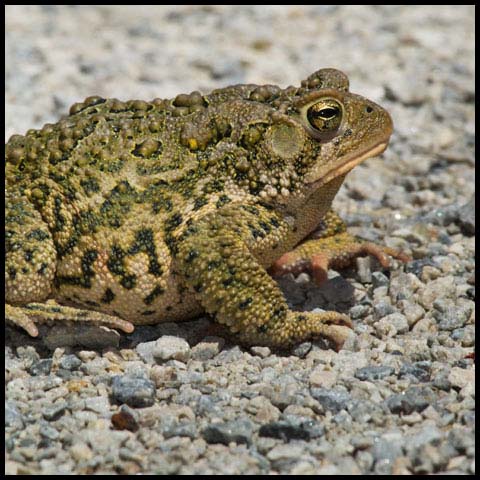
(30, 267)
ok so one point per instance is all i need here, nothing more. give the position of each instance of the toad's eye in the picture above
(325, 116)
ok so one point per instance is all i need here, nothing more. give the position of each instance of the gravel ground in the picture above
(175, 398)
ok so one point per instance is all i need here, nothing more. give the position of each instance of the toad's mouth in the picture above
(346, 164)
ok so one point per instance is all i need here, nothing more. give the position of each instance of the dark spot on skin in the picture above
(91, 303)
(148, 312)
(85, 280)
(174, 221)
(265, 226)
(192, 254)
(128, 281)
(213, 265)
(228, 281)
(28, 255)
(251, 209)
(199, 203)
(262, 329)
(243, 305)
(158, 290)
(108, 296)
(37, 234)
(43, 268)
(222, 200)
(12, 273)
(144, 242)
(115, 260)
(255, 232)
(90, 185)
(198, 287)
(59, 218)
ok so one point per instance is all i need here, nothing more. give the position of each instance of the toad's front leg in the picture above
(214, 256)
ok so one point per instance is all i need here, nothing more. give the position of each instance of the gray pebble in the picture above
(441, 381)
(13, 418)
(384, 449)
(358, 311)
(70, 362)
(292, 428)
(239, 431)
(98, 404)
(55, 411)
(451, 317)
(134, 391)
(184, 429)
(42, 367)
(374, 372)
(383, 308)
(415, 399)
(49, 432)
(420, 371)
(334, 400)
(302, 349)
(379, 279)
(207, 348)
(466, 217)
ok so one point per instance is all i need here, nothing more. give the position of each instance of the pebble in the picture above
(208, 348)
(334, 400)
(415, 399)
(70, 362)
(374, 373)
(55, 411)
(134, 391)
(392, 324)
(13, 418)
(292, 428)
(420, 371)
(466, 217)
(322, 378)
(239, 431)
(164, 349)
(461, 377)
(262, 352)
(42, 367)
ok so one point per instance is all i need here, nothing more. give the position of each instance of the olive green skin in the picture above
(157, 211)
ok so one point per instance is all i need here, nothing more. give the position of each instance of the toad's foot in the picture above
(28, 315)
(317, 256)
(334, 248)
(301, 326)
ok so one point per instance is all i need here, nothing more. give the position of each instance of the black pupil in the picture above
(327, 113)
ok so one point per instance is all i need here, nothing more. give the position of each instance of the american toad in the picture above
(135, 212)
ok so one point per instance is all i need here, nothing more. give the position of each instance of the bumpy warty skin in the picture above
(156, 211)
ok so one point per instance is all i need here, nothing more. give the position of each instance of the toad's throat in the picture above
(347, 164)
